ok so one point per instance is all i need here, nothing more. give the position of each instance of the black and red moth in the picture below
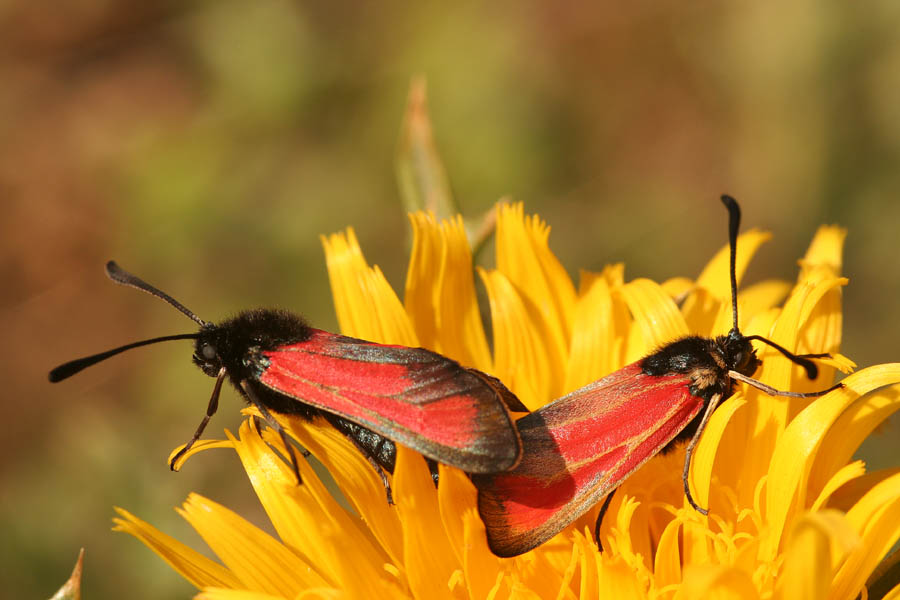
(580, 447)
(374, 394)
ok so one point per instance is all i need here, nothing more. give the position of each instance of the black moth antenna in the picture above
(734, 222)
(120, 276)
(735, 335)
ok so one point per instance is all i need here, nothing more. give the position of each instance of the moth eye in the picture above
(208, 351)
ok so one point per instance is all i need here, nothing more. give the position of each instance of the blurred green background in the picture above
(206, 145)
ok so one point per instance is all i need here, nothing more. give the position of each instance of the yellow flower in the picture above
(791, 514)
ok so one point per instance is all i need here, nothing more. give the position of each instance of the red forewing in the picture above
(578, 449)
(421, 399)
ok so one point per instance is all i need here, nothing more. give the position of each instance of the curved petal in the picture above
(877, 517)
(440, 291)
(366, 305)
(260, 562)
(713, 286)
(190, 564)
(593, 333)
(357, 480)
(817, 544)
(428, 559)
(524, 257)
(310, 521)
(796, 450)
(655, 315)
(521, 359)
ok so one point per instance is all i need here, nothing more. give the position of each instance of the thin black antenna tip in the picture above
(123, 277)
(734, 223)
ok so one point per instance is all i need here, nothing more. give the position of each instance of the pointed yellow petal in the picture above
(456, 495)
(705, 455)
(521, 358)
(524, 257)
(667, 566)
(655, 315)
(818, 542)
(877, 517)
(310, 521)
(440, 291)
(796, 450)
(826, 249)
(777, 370)
(482, 568)
(260, 562)
(715, 276)
(700, 308)
(852, 427)
(593, 333)
(191, 565)
(429, 560)
(357, 480)
(844, 475)
(366, 305)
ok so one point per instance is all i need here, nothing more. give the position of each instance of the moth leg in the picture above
(433, 469)
(270, 420)
(600, 516)
(713, 402)
(389, 492)
(210, 411)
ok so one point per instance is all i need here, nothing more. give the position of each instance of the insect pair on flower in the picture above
(535, 475)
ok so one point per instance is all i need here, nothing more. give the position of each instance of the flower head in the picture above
(791, 514)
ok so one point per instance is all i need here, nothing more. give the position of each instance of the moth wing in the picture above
(413, 396)
(576, 450)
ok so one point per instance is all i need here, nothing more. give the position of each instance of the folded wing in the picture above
(576, 450)
(413, 396)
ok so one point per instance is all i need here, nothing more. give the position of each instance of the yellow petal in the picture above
(667, 566)
(655, 315)
(524, 257)
(191, 565)
(593, 333)
(818, 542)
(796, 450)
(844, 475)
(429, 560)
(700, 309)
(877, 517)
(212, 593)
(852, 427)
(716, 582)
(826, 249)
(310, 521)
(777, 370)
(358, 481)
(705, 455)
(481, 567)
(366, 305)
(258, 560)
(440, 292)
(617, 579)
(521, 358)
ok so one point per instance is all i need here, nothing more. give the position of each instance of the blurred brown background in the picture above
(206, 145)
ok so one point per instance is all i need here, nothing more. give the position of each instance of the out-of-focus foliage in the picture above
(206, 145)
